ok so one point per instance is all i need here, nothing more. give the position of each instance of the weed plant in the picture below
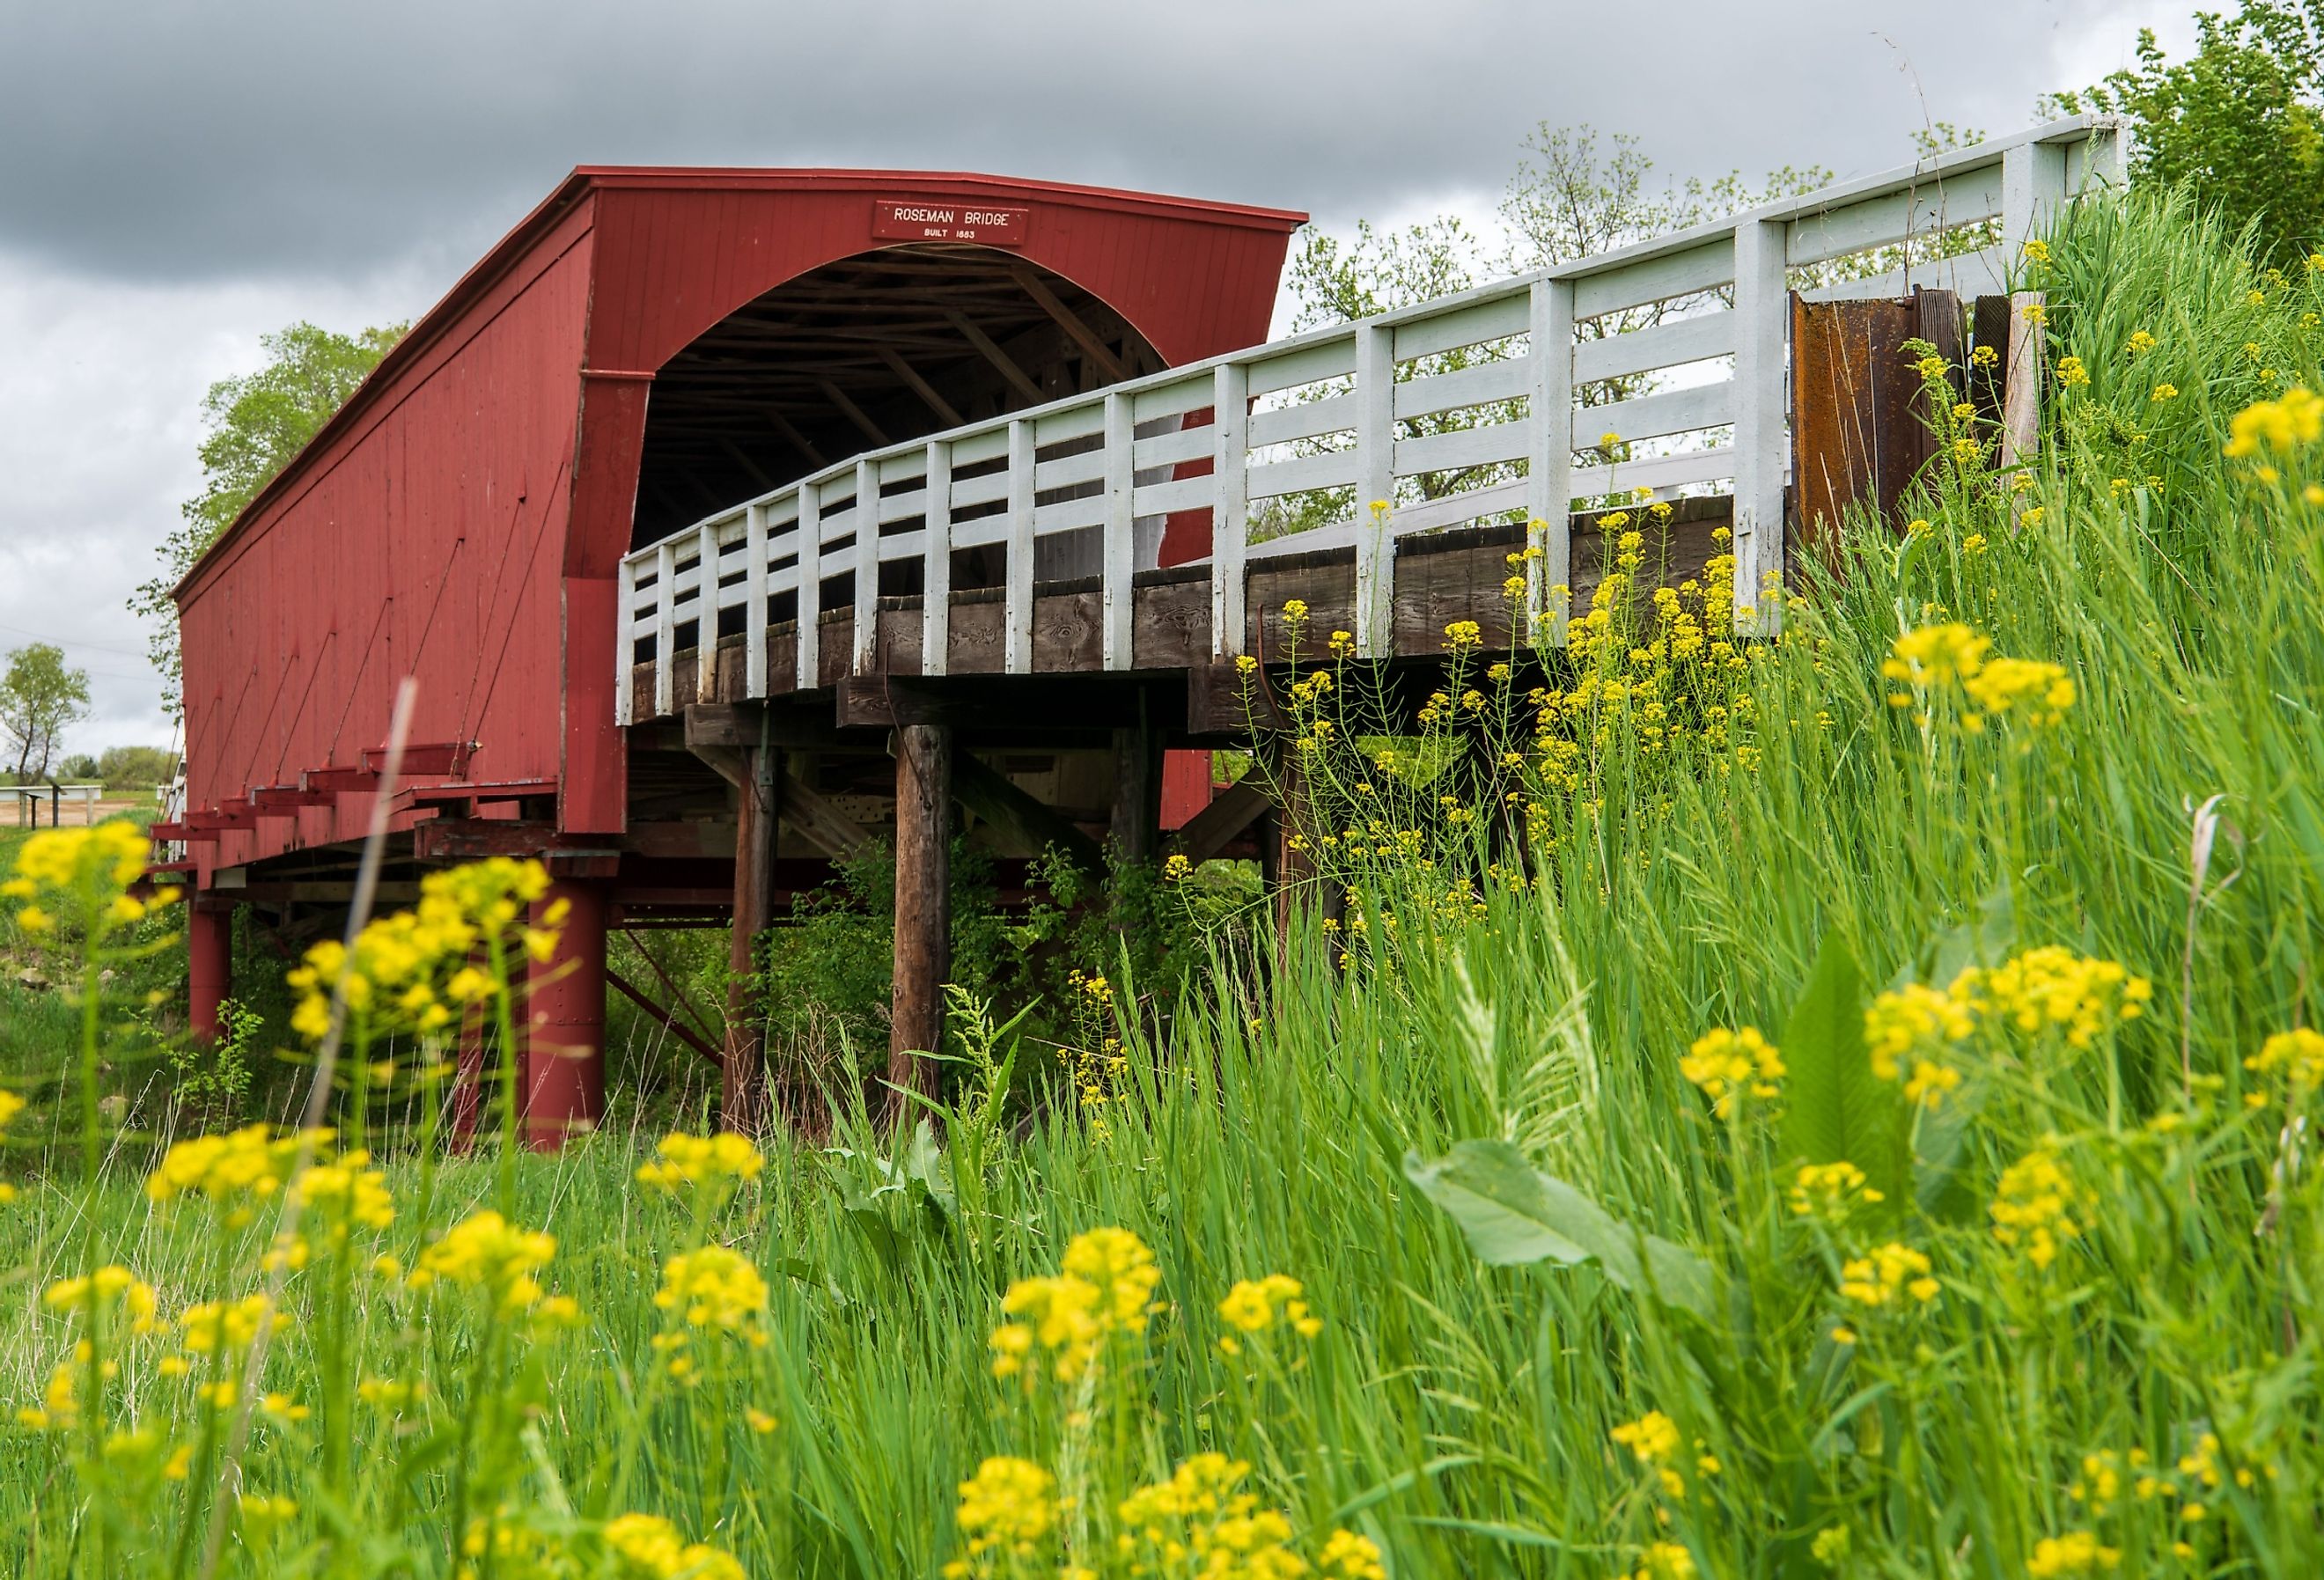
(1848, 1113)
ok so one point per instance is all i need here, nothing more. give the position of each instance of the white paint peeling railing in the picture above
(1112, 462)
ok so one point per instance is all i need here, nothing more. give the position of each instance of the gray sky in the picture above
(179, 179)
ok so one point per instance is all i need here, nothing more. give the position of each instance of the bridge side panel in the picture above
(425, 537)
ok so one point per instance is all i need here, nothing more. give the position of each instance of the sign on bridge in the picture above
(917, 220)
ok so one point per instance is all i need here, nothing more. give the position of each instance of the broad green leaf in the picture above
(1514, 1215)
(1498, 1200)
(1835, 1108)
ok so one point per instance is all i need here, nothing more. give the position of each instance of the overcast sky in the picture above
(176, 180)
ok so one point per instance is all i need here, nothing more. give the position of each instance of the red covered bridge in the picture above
(648, 346)
(729, 519)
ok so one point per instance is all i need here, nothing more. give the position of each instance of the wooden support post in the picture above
(923, 909)
(1293, 839)
(743, 1083)
(1137, 830)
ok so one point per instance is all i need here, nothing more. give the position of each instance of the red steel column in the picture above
(210, 963)
(565, 1047)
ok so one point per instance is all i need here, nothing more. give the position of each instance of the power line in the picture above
(121, 653)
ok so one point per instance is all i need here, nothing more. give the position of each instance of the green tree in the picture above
(38, 698)
(254, 426)
(2241, 122)
(135, 766)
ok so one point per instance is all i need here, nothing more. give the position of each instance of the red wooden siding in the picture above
(463, 519)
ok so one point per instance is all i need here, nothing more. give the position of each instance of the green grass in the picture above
(1458, 1414)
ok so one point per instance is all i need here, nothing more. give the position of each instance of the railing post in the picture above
(2105, 158)
(1119, 548)
(754, 616)
(1762, 306)
(1549, 468)
(810, 585)
(625, 647)
(867, 566)
(1230, 506)
(1016, 609)
(666, 629)
(936, 560)
(2033, 189)
(1375, 408)
(2033, 185)
(705, 613)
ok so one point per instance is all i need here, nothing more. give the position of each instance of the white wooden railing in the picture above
(1322, 410)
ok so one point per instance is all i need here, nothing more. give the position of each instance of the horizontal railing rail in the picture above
(1326, 412)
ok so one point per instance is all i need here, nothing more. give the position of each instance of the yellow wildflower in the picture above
(1010, 1505)
(649, 1548)
(2299, 1051)
(1936, 655)
(1665, 1560)
(2055, 988)
(2033, 1206)
(1105, 1288)
(1886, 1276)
(2293, 420)
(1256, 1305)
(109, 1287)
(2165, 392)
(714, 1287)
(2071, 372)
(2077, 1552)
(1831, 1190)
(484, 1251)
(1345, 1555)
(2141, 342)
(1726, 1064)
(683, 1160)
(251, 1159)
(2039, 691)
(227, 1326)
(1463, 635)
(1654, 1440)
